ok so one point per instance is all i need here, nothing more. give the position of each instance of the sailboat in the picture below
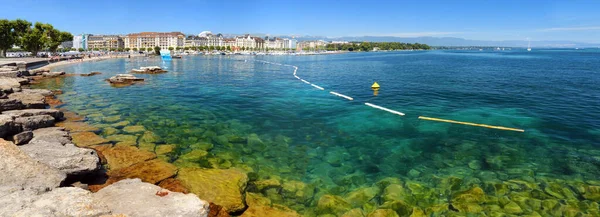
(529, 45)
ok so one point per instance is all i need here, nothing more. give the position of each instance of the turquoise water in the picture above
(339, 145)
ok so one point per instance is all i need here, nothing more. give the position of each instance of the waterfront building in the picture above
(105, 42)
(289, 44)
(245, 41)
(164, 40)
(195, 41)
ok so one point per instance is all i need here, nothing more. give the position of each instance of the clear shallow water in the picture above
(339, 145)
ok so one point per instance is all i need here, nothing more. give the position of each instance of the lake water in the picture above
(337, 145)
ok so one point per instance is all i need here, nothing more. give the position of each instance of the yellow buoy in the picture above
(375, 86)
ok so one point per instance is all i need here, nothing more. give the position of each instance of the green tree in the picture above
(170, 48)
(96, 49)
(135, 49)
(80, 49)
(120, 49)
(55, 37)
(127, 49)
(34, 39)
(229, 48)
(11, 33)
(157, 50)
(211, 47)
(148, 49)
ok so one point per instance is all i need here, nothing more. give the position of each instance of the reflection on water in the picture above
(258, 117)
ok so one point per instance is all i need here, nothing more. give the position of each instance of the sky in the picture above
(571, 20)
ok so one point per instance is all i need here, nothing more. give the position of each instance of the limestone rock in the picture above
(394, 192)
(132, 197)
(85, 139)
(68, 201)
(223, 187)
(31, 100)
(35, 122)
(56, 114)
(149, 70)
(18, 169)
(67, 158)
(23, 137)
(51, 134)
(331, 204)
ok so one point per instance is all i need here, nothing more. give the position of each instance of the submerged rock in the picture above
(53, 74)
(361, 196)
(223, 187)
(173, 184)
(152, 171)
(383, 213)
(86, 139)
(331, 204)
(134, 129)
(132, 197)
(92, 74)
(77, 126)
(123, 156)
(259, 206)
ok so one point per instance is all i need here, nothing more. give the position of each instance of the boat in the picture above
(528, 45)
(176, 57)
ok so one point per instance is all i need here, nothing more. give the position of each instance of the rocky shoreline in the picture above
(45, 168)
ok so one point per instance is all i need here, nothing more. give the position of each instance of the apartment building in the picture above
(104, 42)
(164, 40)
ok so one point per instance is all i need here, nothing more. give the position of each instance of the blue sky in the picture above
(477, 19)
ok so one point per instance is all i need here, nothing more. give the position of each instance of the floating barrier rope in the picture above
(341, 95)
(385, 109)
(471, 124)
(375, 85)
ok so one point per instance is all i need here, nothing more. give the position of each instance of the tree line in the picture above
(32, 38)
(369, 46)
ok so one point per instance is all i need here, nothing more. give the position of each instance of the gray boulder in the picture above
(55, 113)
(30, 99)
(8, 126)
(42, 92)
(133, 197)
(7, 84)
(59, 202)
(10, 104)
(23, 137)
(35, 122)
(19, 171)
(67, 158)
(51, 134)
(38, 71)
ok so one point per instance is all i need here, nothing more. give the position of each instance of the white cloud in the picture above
(580, 28)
